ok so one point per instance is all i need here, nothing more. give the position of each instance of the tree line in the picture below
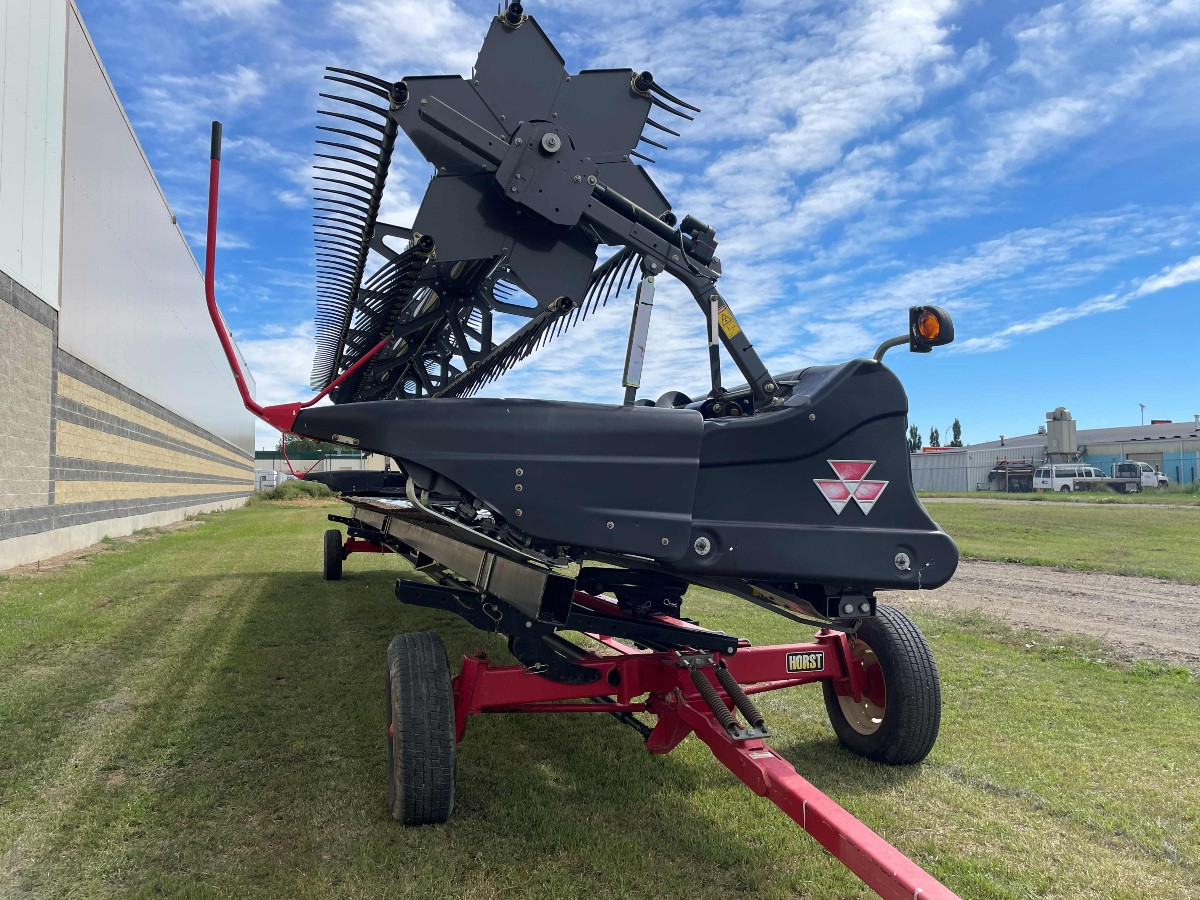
(915, 442)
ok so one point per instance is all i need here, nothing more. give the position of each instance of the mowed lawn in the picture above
(199, 715)
(1125, 539)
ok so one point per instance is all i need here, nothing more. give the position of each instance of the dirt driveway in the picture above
(1144, 618)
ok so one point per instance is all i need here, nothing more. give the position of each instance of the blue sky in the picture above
(1031, 167)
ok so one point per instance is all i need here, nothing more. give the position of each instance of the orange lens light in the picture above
(929, 326)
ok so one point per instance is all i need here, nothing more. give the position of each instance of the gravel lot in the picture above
(1143, 618)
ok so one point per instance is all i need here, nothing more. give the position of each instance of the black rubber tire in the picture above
(1065, 489)
(913, 705)
(333, 555)
(421, 747)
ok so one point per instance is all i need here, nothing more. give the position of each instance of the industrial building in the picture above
(118, 410)
(1170, 447)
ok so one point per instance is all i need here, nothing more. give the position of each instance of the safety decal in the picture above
(728, 323)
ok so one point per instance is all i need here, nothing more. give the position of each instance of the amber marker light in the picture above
(928, 327)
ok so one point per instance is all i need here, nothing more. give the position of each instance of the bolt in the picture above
(518, 142)
(515, 189)
(591, 179)
(864, 607)
(730, 650)
(518, 488)
(717, 407)
(665, 541)
(577, 179)
(520, 472)
(611, 526)
(702, 546)
(848, 608)
(424, 101)
(674, 257)
(812, 417)
(502, 118)
(520, 513)
(903, 563)
(769, 387)
(528, 624)
(551, 142)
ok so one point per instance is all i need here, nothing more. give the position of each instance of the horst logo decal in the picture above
(811, 661)
(850, 484)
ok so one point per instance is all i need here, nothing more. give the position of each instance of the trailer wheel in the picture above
(333, 555)
(897, 720)
(420, 745)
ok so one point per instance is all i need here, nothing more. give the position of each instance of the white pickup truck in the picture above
(1128, 477)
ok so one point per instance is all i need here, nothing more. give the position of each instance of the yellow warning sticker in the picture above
(728, 323)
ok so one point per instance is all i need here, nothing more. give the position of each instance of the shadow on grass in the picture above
(254, 762)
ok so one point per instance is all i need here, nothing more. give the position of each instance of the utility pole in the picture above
(1143, 408)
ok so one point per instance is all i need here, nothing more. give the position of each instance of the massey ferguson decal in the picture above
(850, 484)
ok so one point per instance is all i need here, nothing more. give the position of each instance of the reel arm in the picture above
(533, 158)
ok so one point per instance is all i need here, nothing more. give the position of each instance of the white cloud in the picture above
(412, 37)
(177, 103)
(232, 9)
(1172, 276)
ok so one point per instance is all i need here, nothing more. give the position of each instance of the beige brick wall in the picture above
(26, 365)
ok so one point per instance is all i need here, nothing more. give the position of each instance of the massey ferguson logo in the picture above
(850, 484)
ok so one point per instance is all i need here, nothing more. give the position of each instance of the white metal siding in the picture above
(964, 470)
(32, 67)
(132, 294)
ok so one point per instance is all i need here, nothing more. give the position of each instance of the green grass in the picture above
(199, 715)
(1126, 540)
(1175, 495)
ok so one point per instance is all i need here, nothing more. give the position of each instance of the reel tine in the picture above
(641, 156)
(646, 140)
(361, 104)
(362, 76)
(357, 150)
(349, 173)
(662, 92)
(370, 88)
(349, 162)
(352, 185)
(672, 109)
(341, 212)
(354, 134)
(326, 190)
(669, 131)
(359, 120)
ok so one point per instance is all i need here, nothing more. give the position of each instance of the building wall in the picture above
(116, 414)
(132, 294)
(964, 470)
(32, 47)
(1178, 458)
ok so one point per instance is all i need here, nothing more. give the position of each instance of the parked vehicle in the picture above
(1144, 473)
(1127, 477)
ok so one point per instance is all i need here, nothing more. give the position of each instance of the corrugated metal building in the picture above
(1171, 447)
(117, 412)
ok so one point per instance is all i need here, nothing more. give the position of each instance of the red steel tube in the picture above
(282, 416)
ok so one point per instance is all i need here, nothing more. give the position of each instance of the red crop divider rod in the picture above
(281, 416)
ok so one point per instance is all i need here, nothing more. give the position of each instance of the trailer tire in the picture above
(420, 732)
(901, 672)
(332, 570)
